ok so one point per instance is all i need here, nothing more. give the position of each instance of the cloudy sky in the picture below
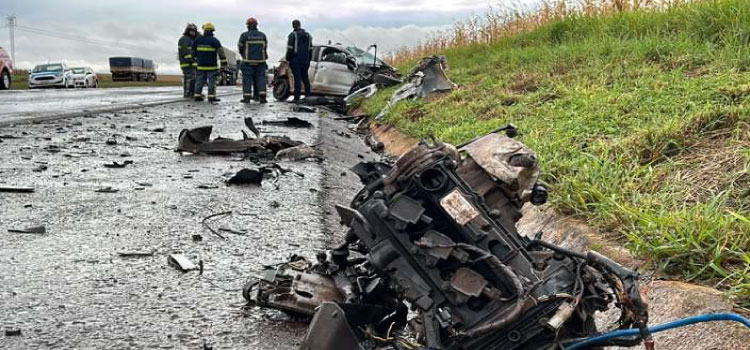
(87, 32)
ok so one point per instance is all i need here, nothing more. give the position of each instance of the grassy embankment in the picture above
(640, 119)
(19, 82)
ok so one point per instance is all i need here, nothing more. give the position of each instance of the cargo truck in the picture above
(132, 69)
(229, 74)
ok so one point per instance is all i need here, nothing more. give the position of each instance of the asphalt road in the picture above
(45, 104)
(70, 289)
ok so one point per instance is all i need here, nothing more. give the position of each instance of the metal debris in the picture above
(33, 229)
(427, 77)
(198, 141)
(16, 189)
(436, 232)
(301, 152)
(136, 254)
(250, 125)
(181, 262)
(107, 189)
(205, 224)
(246, 177)
(116, 165)
(12, 332)
(292, 122)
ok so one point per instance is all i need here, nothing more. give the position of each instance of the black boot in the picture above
(198, 98)
(213, 99)
(262, 99)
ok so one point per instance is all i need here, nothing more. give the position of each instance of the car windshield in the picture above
(363, 56)
(48, 68)
(79, 70)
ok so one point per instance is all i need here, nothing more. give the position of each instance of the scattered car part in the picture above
(198, 141)
(181, 262)
(34, 229)
(16, 189)
(427, 77)
(116, 165)
(363, 93)
(136, 254)
(301, 152)
(246, 177)
(12, 332)
(436, 231)
(251, 125)
(292, 122)
(107, 189)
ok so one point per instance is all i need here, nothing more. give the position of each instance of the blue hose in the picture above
(659, 328)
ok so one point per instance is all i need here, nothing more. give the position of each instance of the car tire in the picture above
(5, 80)
(96, 83)
(281, 89)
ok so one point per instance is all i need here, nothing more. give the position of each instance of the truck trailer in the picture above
(229, 74)
(132, 69)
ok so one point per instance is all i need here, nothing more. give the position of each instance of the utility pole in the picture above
(12, 29)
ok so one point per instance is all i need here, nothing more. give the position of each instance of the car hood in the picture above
(38, 74)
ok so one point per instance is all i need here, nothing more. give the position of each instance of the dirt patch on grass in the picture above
(715, 164)
(525, 83)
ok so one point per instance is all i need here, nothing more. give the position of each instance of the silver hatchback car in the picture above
(51, 75)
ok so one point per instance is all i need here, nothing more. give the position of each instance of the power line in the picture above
(70, 37)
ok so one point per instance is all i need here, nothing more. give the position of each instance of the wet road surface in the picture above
(69, 288)
(21, 105)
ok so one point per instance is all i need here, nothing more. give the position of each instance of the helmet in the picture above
(251, 22)
(209, 26)
(190, 27)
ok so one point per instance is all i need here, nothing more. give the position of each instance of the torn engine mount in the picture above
(435, 233)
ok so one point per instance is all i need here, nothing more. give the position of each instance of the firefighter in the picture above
(207, 48)
(298, 54)
(253, 48)
(187, 59)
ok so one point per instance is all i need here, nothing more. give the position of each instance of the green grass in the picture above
(20, 82)
(640, 121)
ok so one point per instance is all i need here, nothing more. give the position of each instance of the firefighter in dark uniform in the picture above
(187, 59)
(253, 48)
(207, 48)
(298, 54)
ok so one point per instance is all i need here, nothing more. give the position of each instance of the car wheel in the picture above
(5, 80)
(281, 89)
(96, 83)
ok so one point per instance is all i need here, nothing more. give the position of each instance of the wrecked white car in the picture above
(336, 70)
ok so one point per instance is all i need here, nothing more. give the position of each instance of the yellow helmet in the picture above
(209, 26)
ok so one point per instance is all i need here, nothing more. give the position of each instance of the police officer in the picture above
(206, 48)
(253, 48)
(187, 59)
(298, 54)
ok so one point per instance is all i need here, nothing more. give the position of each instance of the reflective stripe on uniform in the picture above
(254, 61)
(207, 68)
(188, 56)
(184, 65)
(206, 48)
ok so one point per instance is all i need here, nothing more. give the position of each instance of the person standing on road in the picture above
(253, 48)
(187, 59)
(298, 54)
(206, 48)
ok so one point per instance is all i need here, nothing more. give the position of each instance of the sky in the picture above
(87, 32)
